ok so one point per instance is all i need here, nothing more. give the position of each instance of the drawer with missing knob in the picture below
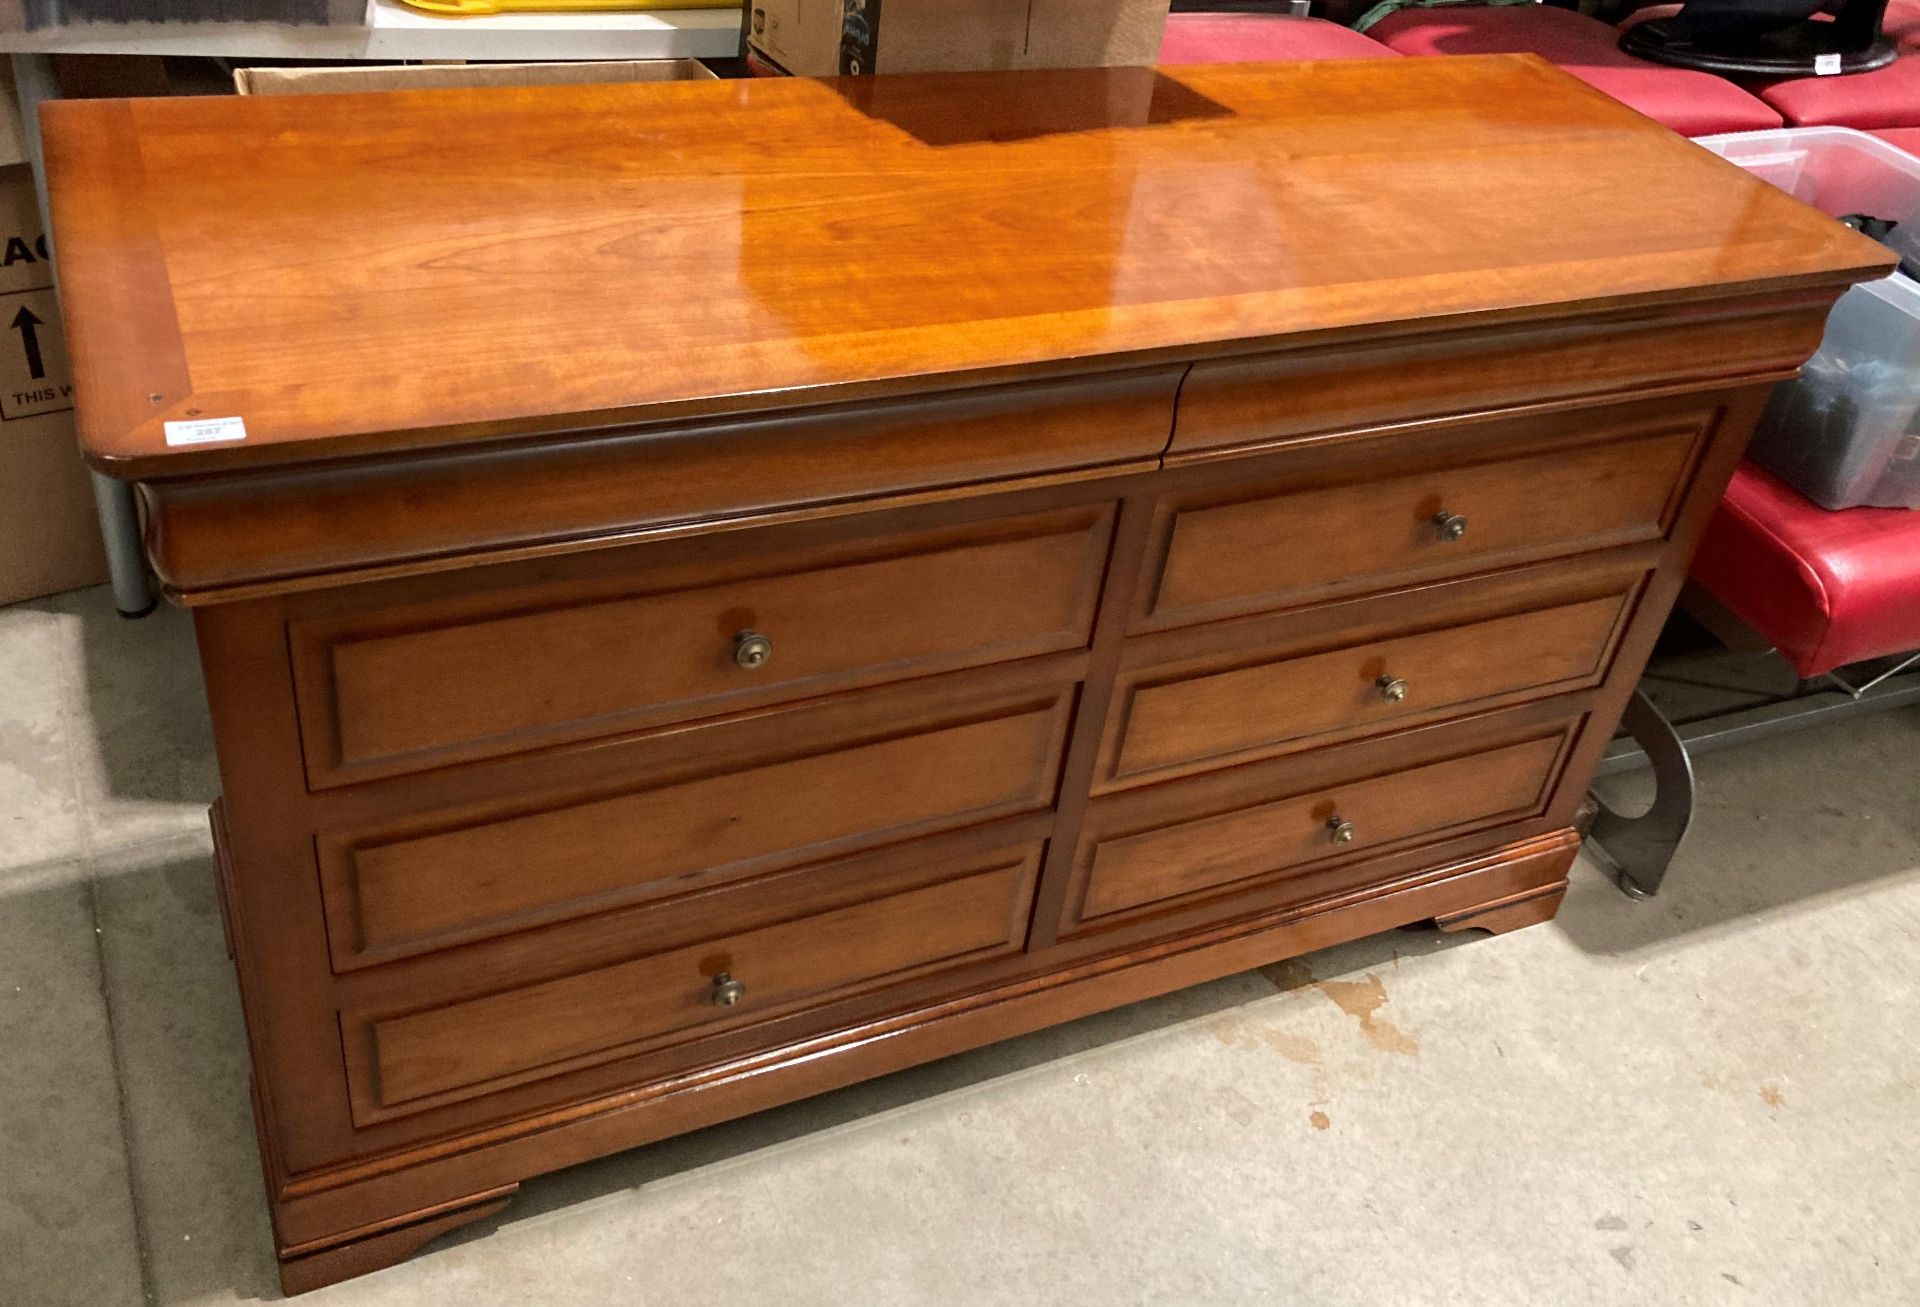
(1366, 516)
(618, 640)
(1295, 833)
(669, 985)
(1247, 701)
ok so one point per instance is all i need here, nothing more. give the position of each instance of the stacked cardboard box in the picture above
(825, 38)
(49, 534)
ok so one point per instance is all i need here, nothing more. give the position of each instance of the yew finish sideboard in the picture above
(712, 591)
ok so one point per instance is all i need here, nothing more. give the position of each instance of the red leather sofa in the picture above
(1886, 102)
(1198, 38)
(1886, 97)
(1692, 103)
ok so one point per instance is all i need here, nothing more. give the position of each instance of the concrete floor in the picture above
(1709, 1098)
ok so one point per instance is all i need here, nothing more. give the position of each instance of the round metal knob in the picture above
(751, 650)
(1392, 688)
(726, 991)
(1451, 526)
(1340, 830)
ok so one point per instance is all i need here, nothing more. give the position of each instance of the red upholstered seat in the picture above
(1885, 97)
(1907, 138)
(1825, 588)
(1692, 103)
(1902, 22)
(1255, 38)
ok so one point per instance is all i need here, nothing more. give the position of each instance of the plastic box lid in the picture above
(1837, 170)
(1847, 433)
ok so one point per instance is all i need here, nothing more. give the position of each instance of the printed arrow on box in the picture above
(28, 324)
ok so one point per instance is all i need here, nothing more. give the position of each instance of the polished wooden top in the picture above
(357, 273)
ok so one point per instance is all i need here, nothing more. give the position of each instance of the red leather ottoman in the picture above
(1885, 97)
(1692, 103)
(1827, 589)
(1257, 38)
(1907, 138)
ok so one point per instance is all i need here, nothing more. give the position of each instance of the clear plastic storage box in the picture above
(1847, 433)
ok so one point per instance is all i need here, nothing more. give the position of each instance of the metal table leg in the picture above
(133, 594)
(1641, 848)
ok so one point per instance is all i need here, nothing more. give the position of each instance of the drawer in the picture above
(421, 883)
(1230, 549)
(670, 994)
(1151, 855)
(395, 690)
(1236, 707)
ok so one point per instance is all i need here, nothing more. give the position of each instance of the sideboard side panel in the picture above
(271, 888)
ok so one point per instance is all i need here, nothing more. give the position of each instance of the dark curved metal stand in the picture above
(1767, 38)
(1807, 50)
(1641, 848)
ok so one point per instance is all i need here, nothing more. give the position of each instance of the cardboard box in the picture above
(825, 38)
(424, 77)
(49, 532)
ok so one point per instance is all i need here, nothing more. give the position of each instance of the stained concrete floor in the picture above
(1709, 1098)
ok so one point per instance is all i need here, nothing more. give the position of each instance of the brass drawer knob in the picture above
(751, 650)
(1340, 830)
(1392, 689)
(726, 991)
(1451, 526)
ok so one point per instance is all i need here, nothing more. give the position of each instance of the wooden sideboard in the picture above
(713, 591)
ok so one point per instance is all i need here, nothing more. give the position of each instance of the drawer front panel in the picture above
(1244, 401)
(1252, 554)
(426, 685)
(409, 891)
(1170, 726)
(1293, 835)
(420, 1059)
